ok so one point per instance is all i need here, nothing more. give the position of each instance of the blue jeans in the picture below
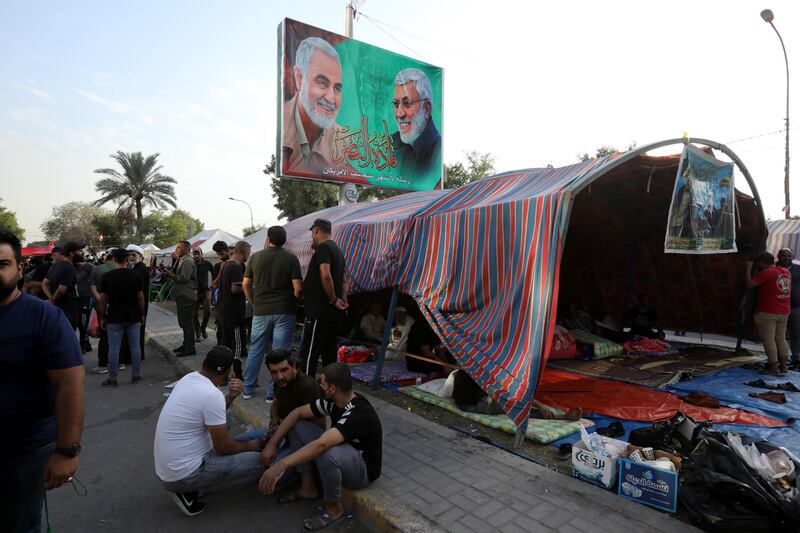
(115, 333)
(22, 479)
(283, 451)
(279, 329)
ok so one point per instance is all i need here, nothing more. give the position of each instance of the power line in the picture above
(758, 136)
(418, 37)
(401, 43)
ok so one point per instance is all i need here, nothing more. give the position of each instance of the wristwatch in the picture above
(71, 452)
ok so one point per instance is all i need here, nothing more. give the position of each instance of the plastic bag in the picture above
(94, 326)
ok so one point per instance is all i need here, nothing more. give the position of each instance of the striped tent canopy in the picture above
(481, 261)
(783, 234)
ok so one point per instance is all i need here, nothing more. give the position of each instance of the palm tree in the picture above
(139, 184)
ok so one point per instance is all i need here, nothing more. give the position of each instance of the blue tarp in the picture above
(729, 386)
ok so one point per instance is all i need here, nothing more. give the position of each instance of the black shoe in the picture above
(179, 349)
(186, 354)
(188, 503)
(109, 383)
(136, 379)
(205, 335)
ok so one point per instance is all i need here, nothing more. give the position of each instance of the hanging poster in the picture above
(701, 216)
(349, 112)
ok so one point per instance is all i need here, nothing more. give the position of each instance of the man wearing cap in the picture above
(193, 451)
(136, 263)
(185, 292)
(325, 292)
(102, 346)
(60, 285)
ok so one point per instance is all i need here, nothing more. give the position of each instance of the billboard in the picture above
(702, 213)
(349, 112)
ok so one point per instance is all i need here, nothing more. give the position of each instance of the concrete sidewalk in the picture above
(436, 479)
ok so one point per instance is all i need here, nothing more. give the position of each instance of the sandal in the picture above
(292, 497)
(322, 521)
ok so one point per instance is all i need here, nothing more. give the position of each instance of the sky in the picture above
(531, 82)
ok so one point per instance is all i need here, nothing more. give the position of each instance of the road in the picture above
(116, 466)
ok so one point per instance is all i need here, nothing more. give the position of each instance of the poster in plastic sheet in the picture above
(349, 112)
(702, 213)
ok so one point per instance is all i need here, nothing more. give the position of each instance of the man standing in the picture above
(232, 300)
(223, 254)
(325, 294)
(785, 257)
(83, 274)
(40, 273)
(185, 291)
(416, 142)
(203, 271)
(41, 391)
(136, 262)
(309, 118)
(349, 454)
(102, 345)
(273, 285)
(122, 313)
(60, 287)
(193, 451)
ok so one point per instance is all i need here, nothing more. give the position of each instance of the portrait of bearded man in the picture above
(417, 143)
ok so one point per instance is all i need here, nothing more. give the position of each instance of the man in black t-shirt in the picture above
(325, 294)
(349, 454)
(60, 284)
(203, 302)
(223, 254)
(121, 313)
(421, 341)
(230, 307)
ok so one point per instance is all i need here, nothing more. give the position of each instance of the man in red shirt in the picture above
(772, 310)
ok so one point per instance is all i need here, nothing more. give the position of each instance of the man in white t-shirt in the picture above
(399, 339)
(192, 448)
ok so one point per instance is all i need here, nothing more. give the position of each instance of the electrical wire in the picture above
(418, 37)
(401, 43)
(758, 136)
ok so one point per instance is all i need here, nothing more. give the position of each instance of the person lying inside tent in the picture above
(470, 397)
(642, 318)
(423, 341)
(576, 317)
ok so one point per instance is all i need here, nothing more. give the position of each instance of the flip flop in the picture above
(323, 521)
(292, 497)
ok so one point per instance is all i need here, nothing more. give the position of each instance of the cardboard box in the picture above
(592, 467)
(649, 485)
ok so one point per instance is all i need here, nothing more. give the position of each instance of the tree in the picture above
(8, 222)
(249, 230)
(604, 151)
(295, 198)
(478, 167)
(140, 184)
(115, 227)
(167, 230)
(73, 221)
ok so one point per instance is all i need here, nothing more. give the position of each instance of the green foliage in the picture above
(167, 230)
(477, 167)
(295, 198)
(140, 184)
(73, 221)
(8, 222)
(604, 151)
(249, 230)
(115, 227)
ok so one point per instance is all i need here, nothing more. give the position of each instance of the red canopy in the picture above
(28, 251)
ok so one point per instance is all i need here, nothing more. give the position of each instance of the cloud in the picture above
(30, 87)
(117, 107)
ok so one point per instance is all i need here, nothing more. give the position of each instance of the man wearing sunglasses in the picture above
(417, 143)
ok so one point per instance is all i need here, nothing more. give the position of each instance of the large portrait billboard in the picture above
(354, 113)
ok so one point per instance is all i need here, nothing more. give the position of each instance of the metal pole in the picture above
(252, 225)
(387, 333)
(768, 17)
(348, 194)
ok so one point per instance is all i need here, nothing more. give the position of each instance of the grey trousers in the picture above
(185, 321)
(339, 466)
(794, 333)
(220, 472)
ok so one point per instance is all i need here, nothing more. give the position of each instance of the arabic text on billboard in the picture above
(350, 112)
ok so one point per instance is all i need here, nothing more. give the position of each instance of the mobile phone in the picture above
(237, 369)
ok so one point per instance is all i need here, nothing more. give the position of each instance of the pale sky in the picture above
(530, 82)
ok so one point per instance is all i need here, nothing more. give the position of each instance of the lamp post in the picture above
(252, 225)
(768, 17)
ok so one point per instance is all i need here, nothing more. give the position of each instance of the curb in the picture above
(376, 509)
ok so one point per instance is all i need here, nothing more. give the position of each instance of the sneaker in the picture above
(187, 354)
(247, 396)
(179, 349)
(269, 400)
(100, 370)
(109, 383)
(188, 503)
(136, 379)
(121, 367)
(198, 339)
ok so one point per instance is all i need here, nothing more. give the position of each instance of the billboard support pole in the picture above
(348, 193)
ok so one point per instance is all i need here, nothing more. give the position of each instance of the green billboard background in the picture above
(368, 74)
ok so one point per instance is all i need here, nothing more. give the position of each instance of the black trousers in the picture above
(319, 340)
(235, 338)
(203, 303)
(185, 319)
(85, 310)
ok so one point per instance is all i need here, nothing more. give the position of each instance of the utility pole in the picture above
(348, 193)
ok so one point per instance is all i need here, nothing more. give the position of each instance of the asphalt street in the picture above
(123, 492)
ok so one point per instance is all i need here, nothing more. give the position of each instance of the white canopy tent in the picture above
(258, 240)
(203, 240)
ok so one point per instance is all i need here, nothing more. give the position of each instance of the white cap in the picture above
(137, 249)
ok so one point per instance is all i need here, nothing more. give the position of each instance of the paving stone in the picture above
(583, 524)
(475, 523)
(486, 510)
(502, 517)
(511, 527)
(450, 516)
(557, 518)
(569, 528)
(541, 510)
(462, 501)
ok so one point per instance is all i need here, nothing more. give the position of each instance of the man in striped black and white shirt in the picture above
(348, 454)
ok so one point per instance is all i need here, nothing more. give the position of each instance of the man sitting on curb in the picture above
(348, 454)
(192, 449)
(293, 389)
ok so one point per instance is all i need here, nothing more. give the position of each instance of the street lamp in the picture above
(252, 226)
(768, 17)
